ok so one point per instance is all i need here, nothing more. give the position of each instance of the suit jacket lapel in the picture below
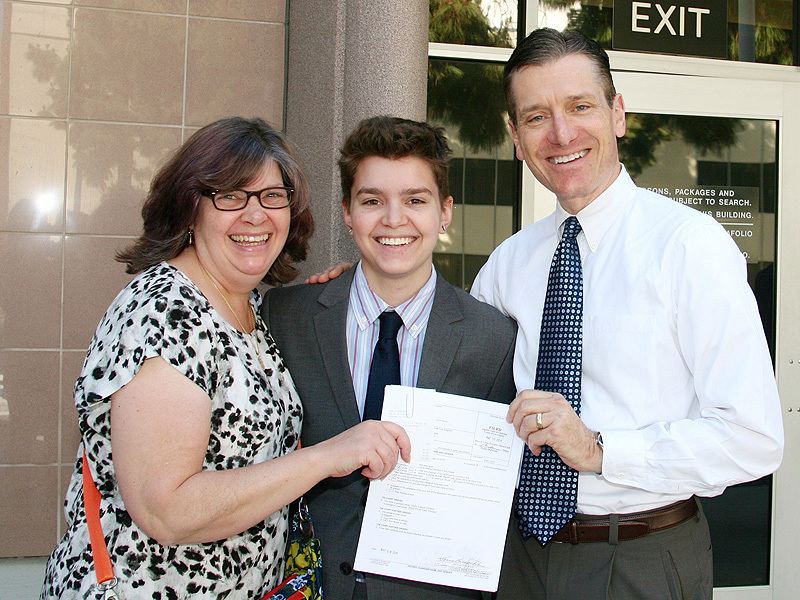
(441, 338)
(330, 327)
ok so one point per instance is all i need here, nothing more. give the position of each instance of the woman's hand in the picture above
(374, 445)
(331, 273)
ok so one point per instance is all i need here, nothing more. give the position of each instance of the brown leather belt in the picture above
(630, 526)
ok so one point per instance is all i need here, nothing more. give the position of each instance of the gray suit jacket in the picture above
(468, 350)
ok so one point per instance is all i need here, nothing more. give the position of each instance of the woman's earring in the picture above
(191, 237)
(444, 228)
(350, 230)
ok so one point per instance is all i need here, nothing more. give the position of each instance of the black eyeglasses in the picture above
(271, 197)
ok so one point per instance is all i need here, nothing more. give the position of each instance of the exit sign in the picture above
(688, 27)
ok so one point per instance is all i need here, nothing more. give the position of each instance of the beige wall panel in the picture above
(34, 59)
(46, 1)
(273, 12)
(127, 67)
(225, 79)
(30, 294)
(109, 173)
(160, 6)
(29, 394)
(92, 279)
(32, 160)
(71, 365)
(29, 496)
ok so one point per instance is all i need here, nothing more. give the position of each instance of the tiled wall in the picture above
(94, 94)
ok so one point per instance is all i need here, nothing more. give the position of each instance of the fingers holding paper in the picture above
(546, 418)
(373, 445)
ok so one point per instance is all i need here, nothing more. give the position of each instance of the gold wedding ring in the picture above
(539, 424)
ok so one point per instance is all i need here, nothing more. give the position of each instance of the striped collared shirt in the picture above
(362, 331)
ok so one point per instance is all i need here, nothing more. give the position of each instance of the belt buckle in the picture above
(570, 528)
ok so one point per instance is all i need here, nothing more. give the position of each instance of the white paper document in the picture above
(443, 518)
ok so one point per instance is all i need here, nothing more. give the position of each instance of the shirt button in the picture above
(413, 328)
(363, 319)
(593, 246)
(346, 568)
(620, 475)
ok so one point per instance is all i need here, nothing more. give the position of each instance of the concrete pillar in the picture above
(348, 60)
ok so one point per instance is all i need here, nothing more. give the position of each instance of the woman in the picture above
(396, 205)
(189, 418)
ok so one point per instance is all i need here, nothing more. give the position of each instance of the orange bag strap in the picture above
(91, 503)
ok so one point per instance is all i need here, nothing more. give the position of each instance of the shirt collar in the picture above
(367, 306)
(596, 218)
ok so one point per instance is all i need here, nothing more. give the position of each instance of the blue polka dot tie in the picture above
(385, 367)
(548, 489)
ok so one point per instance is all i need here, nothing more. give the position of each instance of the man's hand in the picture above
(558, 427)
(331, 273)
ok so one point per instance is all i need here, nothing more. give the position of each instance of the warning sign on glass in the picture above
(737, 208)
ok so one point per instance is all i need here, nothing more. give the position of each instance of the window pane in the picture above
(758, 30)
(474, 22)
(466, 97)
(728, 168)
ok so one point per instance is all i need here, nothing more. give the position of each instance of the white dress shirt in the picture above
(363, 326)
(676, 371)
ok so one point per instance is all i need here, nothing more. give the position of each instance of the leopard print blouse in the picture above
(256, 416)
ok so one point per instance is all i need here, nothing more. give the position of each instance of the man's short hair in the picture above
(545, 45)
(393, 137)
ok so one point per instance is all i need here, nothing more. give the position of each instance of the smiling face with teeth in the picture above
(238, 247)
(565, 130)
(396, 214)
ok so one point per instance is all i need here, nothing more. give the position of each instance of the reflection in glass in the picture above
(474, 22)
(466, 97)
(109, 171)
(31, 175)
(758, 30)
(728, 168)
(34, 64)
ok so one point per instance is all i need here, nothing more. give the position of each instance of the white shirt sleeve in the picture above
(734, 431)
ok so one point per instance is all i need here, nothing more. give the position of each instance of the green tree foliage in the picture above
(773, 45)
(467, 95)
(463, 22)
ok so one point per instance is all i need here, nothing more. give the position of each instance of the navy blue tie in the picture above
(548, 489)
(385, 367)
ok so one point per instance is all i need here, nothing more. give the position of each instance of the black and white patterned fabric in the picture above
(256, 416)
(548, 489)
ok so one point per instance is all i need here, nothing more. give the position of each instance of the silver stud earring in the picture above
(444, 228)
(350, 230)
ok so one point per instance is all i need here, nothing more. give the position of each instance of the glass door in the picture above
(725, 167)
(730, 146)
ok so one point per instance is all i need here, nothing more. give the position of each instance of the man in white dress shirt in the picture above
(678, 395)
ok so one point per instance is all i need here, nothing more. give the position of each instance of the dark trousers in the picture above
(360, 591)
(412, 591)
(672, 564)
